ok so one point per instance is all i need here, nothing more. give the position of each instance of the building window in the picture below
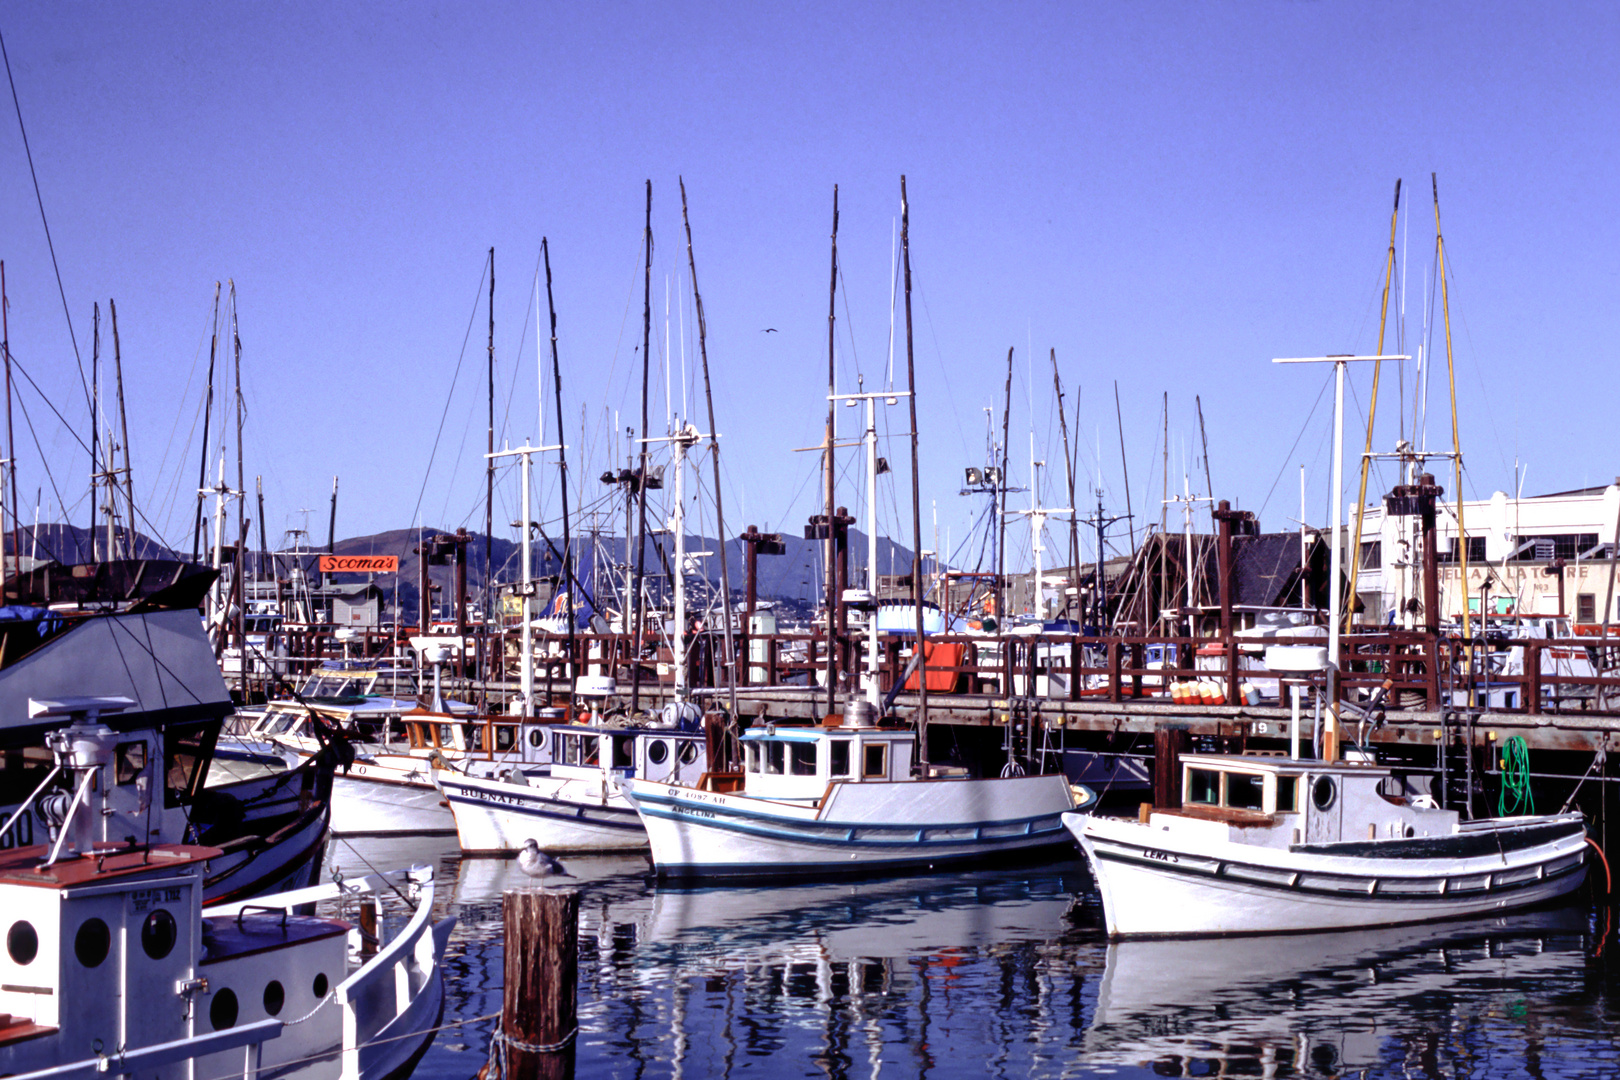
(1372, 554)
(1586, 607)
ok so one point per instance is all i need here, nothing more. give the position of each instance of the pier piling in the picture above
(539, 1020)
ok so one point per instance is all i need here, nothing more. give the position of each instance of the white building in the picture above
(1514, 552)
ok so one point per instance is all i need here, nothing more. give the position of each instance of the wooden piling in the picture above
(539, 1022)
(1169, 740)
(368, 926)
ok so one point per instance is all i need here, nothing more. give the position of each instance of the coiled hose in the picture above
(1515, 797)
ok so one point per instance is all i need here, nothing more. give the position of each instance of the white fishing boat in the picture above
(1270, 844)
(112, 964)
(823, 801)
(579, 804)
(386, 784)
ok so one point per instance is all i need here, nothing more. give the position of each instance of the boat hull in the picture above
(561, 815)
(863, 828)
(364, 804)
(1158, 883)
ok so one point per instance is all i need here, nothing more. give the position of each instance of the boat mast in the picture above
(1372, 411)
(486, 647)
(1068, 468)
(916, 498)
(714, 456)
(562, 471)
(1001, 519)
(123, 429)
(641, 474)
(1456, 443)
(240, 559)
(95, 428)
(1124, 468)
(208, 415)
(11, 444)
(831, 544)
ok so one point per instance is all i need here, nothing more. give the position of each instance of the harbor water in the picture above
(1006, 973)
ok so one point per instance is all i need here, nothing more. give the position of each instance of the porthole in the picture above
(1323, 792)
(22, 942)
(658, 751)
(321, 985)
(275, 996)
(537, 738)
(92, 943)
(222, 1010)
(689, 752)
(158, 934)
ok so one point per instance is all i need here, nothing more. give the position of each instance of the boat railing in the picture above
(382, 992)
(249, 1037)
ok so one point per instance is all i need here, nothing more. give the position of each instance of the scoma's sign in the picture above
(359, 564)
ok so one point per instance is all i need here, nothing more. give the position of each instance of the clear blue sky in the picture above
(1167, 194)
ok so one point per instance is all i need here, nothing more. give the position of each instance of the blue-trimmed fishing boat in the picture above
(815, 802)
(1271, 844)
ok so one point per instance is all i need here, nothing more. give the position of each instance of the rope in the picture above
(319, 1005)
(499, 1041)
(1515, 796)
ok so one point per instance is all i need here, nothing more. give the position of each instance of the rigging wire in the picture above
(39, 198)
(426, 473)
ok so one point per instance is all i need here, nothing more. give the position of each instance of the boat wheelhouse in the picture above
(1273, 844)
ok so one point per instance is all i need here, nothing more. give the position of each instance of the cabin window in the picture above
(802, 759)
(775, 758)
(658, 751)
(22, 942)
(689, 752)
(129, 761)
(622, 747)
(505, 737)
(875, 759)
(187, 750)
(92, 943)
(1287, 795)
(477, 741)
(590, 750)
(838, 757)
(751, 757)
(1245, 791)
(447, 736)
(565, 748)
(1204, 787)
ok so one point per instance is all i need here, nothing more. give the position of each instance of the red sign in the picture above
(359, 564)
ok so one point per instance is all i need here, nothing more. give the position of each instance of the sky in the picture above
(1166, 195)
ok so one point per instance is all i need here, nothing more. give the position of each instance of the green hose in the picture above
(1515, 797)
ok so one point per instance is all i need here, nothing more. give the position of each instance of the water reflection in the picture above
(1428, 1000)
(1002, 974)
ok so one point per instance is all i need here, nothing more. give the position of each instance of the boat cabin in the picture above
(591, 751)
(1291, 802)
(797, 763)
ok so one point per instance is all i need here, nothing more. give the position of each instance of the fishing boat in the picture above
(579, 805)
(127, 632)
(833, 800)
(244, 988)
(1267, 845)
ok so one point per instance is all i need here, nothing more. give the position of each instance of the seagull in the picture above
(539, 865)
(769, 330)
